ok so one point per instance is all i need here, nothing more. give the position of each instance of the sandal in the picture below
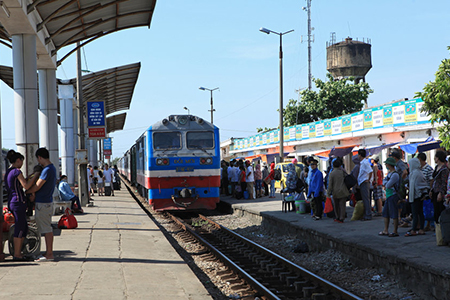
(393, 234)
(383, 233)
(411, 233)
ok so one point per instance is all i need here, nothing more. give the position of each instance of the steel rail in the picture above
(298, 269)
(250, 280)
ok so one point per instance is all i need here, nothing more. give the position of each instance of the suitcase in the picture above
(444, 220)
(107, 189)
(116, 186)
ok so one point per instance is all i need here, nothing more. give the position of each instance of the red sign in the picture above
(97, 132)
(107, 152)
(107, 157)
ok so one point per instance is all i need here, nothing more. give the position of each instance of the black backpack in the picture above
(277, 174)
(350, 181)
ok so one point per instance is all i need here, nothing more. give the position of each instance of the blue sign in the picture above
(96, 113)
(107, 144)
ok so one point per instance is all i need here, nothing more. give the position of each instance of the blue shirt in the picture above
(316, 184)
(65, 191)
(45, 193)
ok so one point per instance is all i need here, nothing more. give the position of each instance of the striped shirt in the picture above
(427, 172)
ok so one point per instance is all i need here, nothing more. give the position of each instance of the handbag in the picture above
(67, 220)
(328, 206)
(350, 181)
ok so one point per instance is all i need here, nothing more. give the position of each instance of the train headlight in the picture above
(206, 161)
(162, 161)
(165, 122)
(182, 120)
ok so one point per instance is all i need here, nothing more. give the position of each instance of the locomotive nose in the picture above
(185, 193)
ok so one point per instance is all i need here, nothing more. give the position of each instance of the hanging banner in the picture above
(368, 123)
(346, 124)
(358, 121)
(327, 127)
(387, 116)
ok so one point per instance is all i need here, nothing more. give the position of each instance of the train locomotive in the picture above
(175, 164)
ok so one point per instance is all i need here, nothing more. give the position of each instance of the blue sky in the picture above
(218, 44)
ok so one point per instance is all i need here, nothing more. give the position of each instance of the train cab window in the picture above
(200, 140)
(166, 140)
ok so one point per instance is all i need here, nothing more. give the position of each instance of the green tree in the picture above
(436, 97)
(333, 98)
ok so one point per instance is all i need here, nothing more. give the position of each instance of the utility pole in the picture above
(310, 29)
(82, 170)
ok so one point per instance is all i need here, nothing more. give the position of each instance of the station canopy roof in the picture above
(115, 86)
(116, 122)
(67, 22)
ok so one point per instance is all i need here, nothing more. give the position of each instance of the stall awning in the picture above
(429, 144)
(336, 151)
(377, 149)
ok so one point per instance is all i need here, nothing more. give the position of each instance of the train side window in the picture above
(200, 139)
(166, 140)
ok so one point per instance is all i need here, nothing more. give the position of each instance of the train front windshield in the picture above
(166, 140)
(200, 139)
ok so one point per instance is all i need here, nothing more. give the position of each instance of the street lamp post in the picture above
(281, 134)
(212, 108)
(189, 112)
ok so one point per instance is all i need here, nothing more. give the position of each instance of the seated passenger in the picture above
(67, 195)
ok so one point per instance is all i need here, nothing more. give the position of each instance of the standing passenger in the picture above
(272, 180)
(390, 209)
(250, 179)
(316, 189)
(44, 188)
(15, 183)
(338, 189)
(265, 173)
(418, 187)
(364, 178)
(258, 179)
(439, 189)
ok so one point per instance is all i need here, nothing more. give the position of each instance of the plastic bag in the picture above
(328, 206)
(428, 210)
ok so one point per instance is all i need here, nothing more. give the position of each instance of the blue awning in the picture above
(378, 149)
(427, 145)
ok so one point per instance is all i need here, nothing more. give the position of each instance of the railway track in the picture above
(254, 270)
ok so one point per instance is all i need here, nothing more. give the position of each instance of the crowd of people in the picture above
(35, 192)
(398, 197)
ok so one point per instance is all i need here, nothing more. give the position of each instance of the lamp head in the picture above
(185, 108)
(265, 30)
(201, 88)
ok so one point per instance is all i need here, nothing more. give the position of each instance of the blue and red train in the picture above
(175, 164)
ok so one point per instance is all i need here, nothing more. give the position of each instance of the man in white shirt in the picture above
(364, 178)
(109, 175)
(249, 178)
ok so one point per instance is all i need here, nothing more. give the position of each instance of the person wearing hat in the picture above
(390, 209)
(316, 189)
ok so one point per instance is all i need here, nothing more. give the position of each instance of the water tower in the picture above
(349, 58)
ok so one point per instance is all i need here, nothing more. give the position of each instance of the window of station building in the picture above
(166, 140)
(200, 140)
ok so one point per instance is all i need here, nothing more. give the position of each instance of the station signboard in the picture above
(96, 116)
(107, 146)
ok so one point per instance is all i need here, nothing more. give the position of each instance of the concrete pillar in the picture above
(92, 153)
(95, 155)
(48, 110)
(26, 98)
(67, 141)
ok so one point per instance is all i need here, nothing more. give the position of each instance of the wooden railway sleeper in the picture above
(299, 285)
(276, 271)
(308, 291)
(320, 296)
(269, 267)
(283, 275)
(291, 279)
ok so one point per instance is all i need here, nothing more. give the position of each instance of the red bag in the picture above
(328, 206)
(67, 220)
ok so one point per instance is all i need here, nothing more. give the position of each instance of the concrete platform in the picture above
(419, 264)
(117, 252)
